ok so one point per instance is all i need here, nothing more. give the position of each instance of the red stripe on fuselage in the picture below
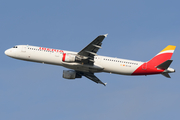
(150, 66)
(64, 56)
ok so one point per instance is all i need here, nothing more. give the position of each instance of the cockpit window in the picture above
(15, 47)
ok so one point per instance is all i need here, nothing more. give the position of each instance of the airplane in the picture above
(87, 62)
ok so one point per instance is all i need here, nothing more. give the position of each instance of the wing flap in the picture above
(92, 77)
(93, 46)
(91, 49)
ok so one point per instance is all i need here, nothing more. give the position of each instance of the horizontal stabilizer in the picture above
(166, 74)
(165, 64)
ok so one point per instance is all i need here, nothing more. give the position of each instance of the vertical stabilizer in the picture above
(163, 56)
(158, 64)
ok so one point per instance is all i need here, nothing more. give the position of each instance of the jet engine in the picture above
(70, 74)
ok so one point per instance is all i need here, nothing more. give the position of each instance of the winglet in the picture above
(105, 35)
(102, 83)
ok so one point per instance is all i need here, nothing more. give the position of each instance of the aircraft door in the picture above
(23, 49)
(98, 59)
(57, 54)
(144, 66)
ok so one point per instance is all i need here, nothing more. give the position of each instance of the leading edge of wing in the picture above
(93, 47)
(92, 77)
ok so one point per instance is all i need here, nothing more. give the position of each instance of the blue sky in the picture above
(137, 30)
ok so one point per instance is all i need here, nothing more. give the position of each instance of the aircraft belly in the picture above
(83, 68)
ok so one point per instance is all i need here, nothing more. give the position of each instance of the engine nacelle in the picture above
(68, 58)
(70, 74)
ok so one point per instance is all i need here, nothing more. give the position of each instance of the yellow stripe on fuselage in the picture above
(169, 47)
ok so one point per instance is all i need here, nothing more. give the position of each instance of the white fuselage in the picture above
(54, 56)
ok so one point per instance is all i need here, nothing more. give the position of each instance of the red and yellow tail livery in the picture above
(158, 64)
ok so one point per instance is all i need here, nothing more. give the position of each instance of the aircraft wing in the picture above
(92, 77)
(90, 50)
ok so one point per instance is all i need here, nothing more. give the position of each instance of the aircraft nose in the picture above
(8, 52)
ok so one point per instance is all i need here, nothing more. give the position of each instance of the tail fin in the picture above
(158, 64)
(163, 56)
